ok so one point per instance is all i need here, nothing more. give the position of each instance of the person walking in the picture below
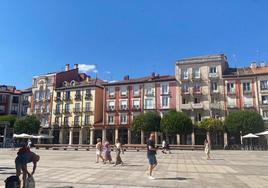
(164, 146)
(118, 149)
(107, 151)
(29, 143)
(151, 152)
(207, 148)
(99, 151)
(25, 156)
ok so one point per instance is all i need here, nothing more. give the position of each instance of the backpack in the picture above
(12, 182)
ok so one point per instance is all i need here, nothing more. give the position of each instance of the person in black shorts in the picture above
(151, 152)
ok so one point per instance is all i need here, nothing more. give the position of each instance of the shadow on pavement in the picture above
(175, 178)
(62, 187)
(5, 168)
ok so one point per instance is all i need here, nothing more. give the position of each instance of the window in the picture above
(48, 94)
(184, 101)
(77, 93)
(36, 95)
(42, 95)
(2, 108)
(248, 101)
(184, 74)
(197, 87)
(212, 70)
(2, 98)
(149, 90)
(87, 119)
(165, 102)
(185, 88)
(264, 99)
(77, 107)
(265, 115)
(149, 104)
(123, 104)
(111, 91)
(230, 87)
(57, 120)
(66, 121)
(123, 91)
(67, 95)
(136, 104)
(246, 87)
(14, 108)
(111, 105)
(67, 107)
(76, 120)
(58, 94)
(57, 108)
(214, 86)
(196, 73)
(264, 85)
(136, 90)
(110, 119)
(164, 88)
(231, 102)
(47, 108)
(123, 118)
(198, 117)
(15, 100)
(87, 106)
(196, 100)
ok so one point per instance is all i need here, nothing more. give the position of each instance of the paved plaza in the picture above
(180, 169)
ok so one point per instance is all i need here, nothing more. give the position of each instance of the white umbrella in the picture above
(250, 135)
(263, 133)
(44, 136)
(23, 135)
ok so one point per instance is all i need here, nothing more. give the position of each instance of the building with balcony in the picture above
(14, 102)
(123, 100)
(77, 106)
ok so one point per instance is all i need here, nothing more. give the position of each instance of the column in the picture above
(71, 136)
(193, 138)
(51, 134)
(116, 134)
(225, 139)
(103, 134)
(81, 135)
(61, 136)
(178, 139)
(91, 136)
(129, 136)
(142, 137)
(156, 137)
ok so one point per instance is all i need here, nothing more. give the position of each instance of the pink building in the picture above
(126, 99)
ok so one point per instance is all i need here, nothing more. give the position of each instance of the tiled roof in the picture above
(246, 71)
(156, 78)
(84, 83)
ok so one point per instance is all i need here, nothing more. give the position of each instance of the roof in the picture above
(84, 83)
(202, 59)
(147, 79)
(245, 72)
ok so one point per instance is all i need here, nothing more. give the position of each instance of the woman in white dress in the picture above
(99, 151)
(207, 148)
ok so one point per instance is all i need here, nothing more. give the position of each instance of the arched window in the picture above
(73, 83)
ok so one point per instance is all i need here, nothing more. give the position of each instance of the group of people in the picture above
(106, 150)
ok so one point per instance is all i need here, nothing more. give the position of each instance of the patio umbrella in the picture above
(250, 135)
(43, 136)
(263, 133)
(23, 135)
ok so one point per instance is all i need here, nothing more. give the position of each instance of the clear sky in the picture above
(132, 37)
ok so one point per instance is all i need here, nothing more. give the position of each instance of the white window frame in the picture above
(166, 85)
(123, 91)
(111, 91)
(194, 72)
(111, 107)
(136, 90)
(136, 106)
(121, 122)
(162, 105)
(123, 107)
(152, 103)
(108, 119)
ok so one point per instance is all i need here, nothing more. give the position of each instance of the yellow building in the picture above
(76, 107)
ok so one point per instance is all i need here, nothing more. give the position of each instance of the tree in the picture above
(174, 122)
(8, 118)
(27, 124)
(211, 125)
(245, 121)
(147, 122)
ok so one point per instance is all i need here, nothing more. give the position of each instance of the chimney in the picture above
(263, 64)
(67, 67)
(253, 65)
(126, 77)
(88, 78)
(75, 66)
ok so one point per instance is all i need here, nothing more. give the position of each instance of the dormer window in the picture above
(65, 83)
(72, 83)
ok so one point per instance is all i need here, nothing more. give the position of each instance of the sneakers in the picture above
(151, 177)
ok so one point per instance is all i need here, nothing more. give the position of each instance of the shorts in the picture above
(98, 152)
(20, 161)
(152, 159)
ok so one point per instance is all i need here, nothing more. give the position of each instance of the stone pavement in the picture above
(180, 169)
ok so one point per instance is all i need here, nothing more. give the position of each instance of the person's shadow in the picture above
(175, 178)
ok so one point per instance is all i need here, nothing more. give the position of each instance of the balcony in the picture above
(57, 99)
(87, 110)
(123, 108)
(66, 111)
(215, 105)
(111, 96)
(196, 77)
(186, 106)
(247, 92)
(76, 123)
(88, 96)
(248, 105)
(213, 75)
(77, 97)
(124, 95)
(67, 98)
(231, 106)
(184, 78)
(185, 92)
(77, 110)
(57, 112)
(231, 92)
(136, 108)
(110, 109)
(197, 91)
(197, 106)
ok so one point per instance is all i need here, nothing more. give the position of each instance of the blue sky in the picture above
(132, 37)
